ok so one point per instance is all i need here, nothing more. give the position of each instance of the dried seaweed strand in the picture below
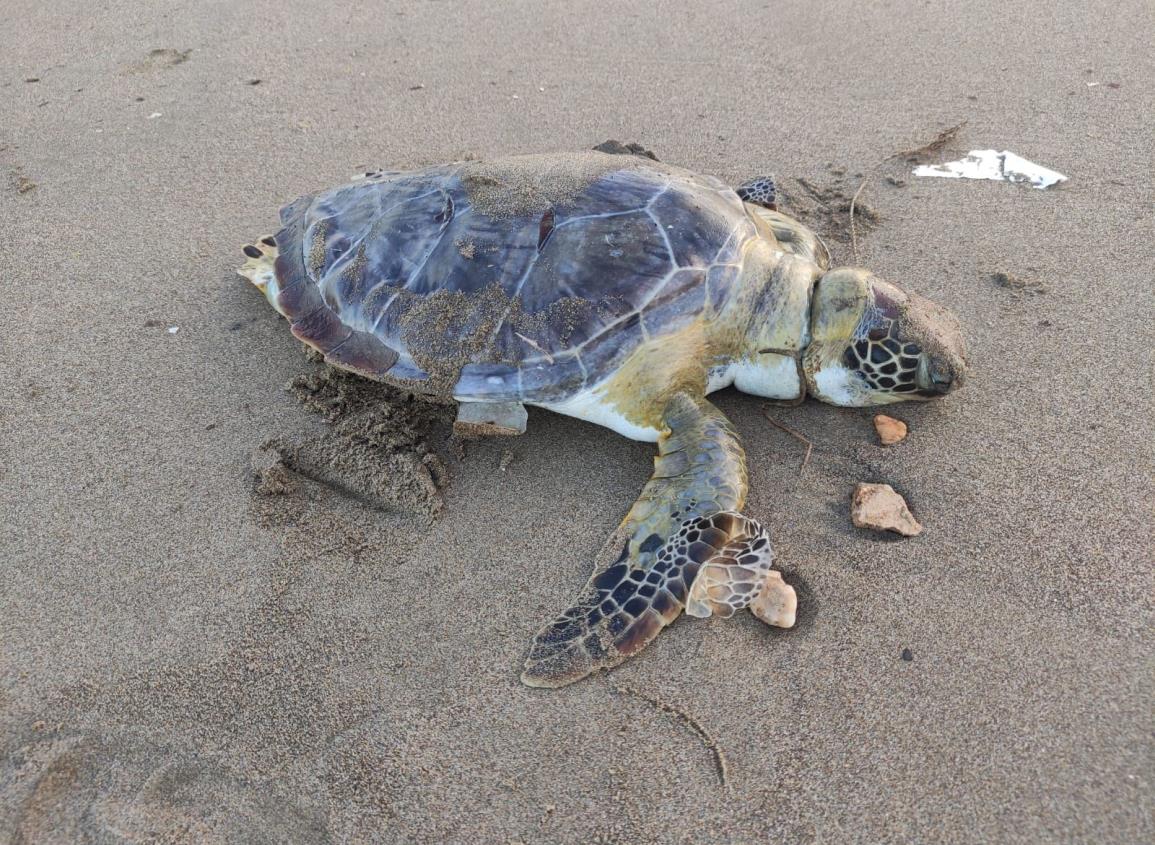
(800, 437)
(934, 145)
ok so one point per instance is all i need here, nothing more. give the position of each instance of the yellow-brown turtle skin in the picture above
(620, 291)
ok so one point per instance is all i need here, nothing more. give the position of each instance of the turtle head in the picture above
(872, 343)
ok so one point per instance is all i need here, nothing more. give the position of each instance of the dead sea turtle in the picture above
(622, 291)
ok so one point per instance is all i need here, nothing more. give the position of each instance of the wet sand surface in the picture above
(190, 654)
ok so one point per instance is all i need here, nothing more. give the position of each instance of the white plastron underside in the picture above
(590, 406)
(772, 376)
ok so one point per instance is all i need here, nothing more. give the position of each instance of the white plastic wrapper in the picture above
(1002, 166)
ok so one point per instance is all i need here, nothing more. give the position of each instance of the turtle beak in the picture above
(934, 379)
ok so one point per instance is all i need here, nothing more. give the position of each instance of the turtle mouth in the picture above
(935, 380)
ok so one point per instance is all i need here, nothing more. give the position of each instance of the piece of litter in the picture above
(1002, 166)
(1092, 84)
(173, 329)
(154, 115)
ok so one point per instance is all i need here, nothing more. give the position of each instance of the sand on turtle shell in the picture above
(445, 330)
(509, 187)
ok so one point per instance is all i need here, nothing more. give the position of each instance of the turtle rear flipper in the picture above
(259, 268)
(274, 266)
(684, 526)
(759, 191)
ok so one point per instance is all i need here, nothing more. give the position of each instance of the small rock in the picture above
(777, 603)
(890, 430)
(878, 507)
(907, 655)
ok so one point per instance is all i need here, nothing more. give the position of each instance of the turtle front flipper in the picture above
(759, 191)
(685, 526)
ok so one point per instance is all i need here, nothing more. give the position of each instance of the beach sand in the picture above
(184, 658)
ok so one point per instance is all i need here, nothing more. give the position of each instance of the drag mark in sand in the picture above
(914, 154)
(720, 766)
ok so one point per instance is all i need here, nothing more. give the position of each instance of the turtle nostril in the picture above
(941, 381)
(936, 379)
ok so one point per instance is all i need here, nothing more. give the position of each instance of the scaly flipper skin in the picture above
(733, 576)
(685, 518)
(760, 191)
